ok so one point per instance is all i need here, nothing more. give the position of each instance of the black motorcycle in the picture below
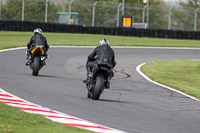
(37, 59)
(97, 81)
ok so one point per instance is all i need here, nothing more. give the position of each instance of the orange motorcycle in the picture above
(37, 59)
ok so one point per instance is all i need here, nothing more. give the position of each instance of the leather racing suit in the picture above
(38, 39)
(102, 54)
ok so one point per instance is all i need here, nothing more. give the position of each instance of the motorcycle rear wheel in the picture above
(98, 87)
(36, 66)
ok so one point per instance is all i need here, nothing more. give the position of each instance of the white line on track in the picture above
(120, 47)
(128, 47)
(167, 87)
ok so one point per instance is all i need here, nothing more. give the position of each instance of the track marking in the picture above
(167, 87)
(53, 115)
(128, 47)
(120, 47)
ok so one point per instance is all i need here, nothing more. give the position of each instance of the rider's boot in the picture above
(89, 75)
(107, 85)
(87, 80)
(28, 58)
(110, 75)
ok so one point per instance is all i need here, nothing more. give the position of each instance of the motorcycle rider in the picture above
(102, 54)
(37, 39)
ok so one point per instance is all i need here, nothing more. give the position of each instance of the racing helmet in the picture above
(38, 31)
(104, 41)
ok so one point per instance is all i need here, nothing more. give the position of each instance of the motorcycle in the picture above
(97, 81)
(37, 59)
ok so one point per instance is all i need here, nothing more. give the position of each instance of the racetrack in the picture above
(133, 104)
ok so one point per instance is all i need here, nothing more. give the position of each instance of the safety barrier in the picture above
(63, 28)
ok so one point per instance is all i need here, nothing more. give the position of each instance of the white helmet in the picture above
(38, 30)
(104, 41)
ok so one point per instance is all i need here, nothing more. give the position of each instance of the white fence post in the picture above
(23, 10)
(118, 14)
(169, 19)
(147, 13)
(123, 7)
(143, 14)
(195, 19)
(70, 8)
(0, 9)
(46, 11)
(93, 14)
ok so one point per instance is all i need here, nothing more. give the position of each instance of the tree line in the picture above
(182, 14)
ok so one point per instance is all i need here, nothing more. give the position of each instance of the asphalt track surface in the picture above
(132, 104)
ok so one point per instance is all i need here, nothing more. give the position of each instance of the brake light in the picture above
(38, 48)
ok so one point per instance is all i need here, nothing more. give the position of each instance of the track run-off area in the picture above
(132, 104)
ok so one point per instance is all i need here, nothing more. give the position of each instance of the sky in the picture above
(173, 0)
(168, 1)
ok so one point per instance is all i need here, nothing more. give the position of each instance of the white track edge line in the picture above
(167, 87)
(127, 47)
(120, 47)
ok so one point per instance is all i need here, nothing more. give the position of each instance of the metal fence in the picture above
(100, 14)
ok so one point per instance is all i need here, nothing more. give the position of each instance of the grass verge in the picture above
(183, 75)
(15, 39)
(13, 120)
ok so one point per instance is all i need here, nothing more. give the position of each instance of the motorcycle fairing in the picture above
(38, 49)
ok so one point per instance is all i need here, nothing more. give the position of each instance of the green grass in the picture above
(16, 39)
(13, 120)
(183, 75)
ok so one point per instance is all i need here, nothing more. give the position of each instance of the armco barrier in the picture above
(63, 28)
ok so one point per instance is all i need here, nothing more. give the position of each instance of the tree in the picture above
(186, 21)
(190, 4)
(158, 14)
(12, 10)
(33, 11)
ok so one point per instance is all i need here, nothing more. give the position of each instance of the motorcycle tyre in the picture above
(36, 66)
(98, 87)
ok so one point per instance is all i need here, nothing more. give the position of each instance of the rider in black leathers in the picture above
(37, 39)
(102, 54)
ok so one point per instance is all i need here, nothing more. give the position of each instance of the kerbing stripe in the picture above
(14, 100)
(61, 117)
(64, 119)
(24, 106)
(40, 113)
(32, 109)
(4, 95)
(81, 125)
(15, 103)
